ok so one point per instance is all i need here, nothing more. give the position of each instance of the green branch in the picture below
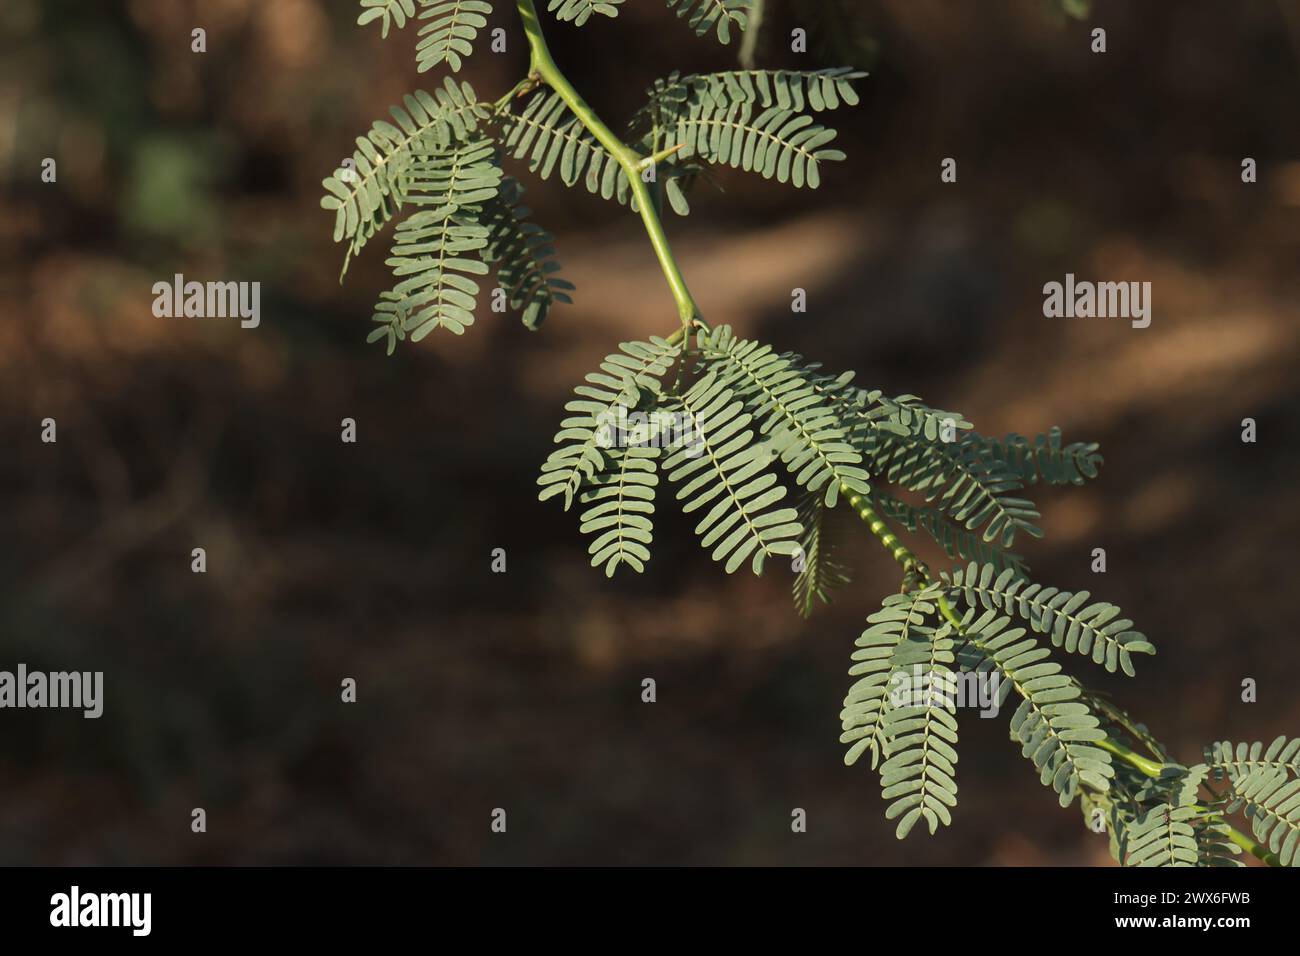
(544, 67)
(888, 540)
(1152, 768)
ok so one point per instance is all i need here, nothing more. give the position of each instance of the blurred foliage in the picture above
(169, 189)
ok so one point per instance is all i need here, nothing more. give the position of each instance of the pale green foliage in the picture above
(397, 11)
(753, 120)
(580, 11)
(717, 15)
(957, 543)
(724, 468)
(724, 128)
(1162, 820)
(976, 491)
(910, 417)
(901, 617)
(736, 426)
(750, 414)
(1214, 846)
(1042, 459)
(1164, 835)
(622, 503)
(551, 138)
(1074, 625)
(438, 160)
(820, 568)
(803, 430)
(1265, 783)
(455, 182)
(365, 198)
(438, 249)
(430, 258)
(587, 437)
(868, 412)
(797, 91)
(524, 254)
(903, 443)
(829, 437)
(1271, 800)
(920, 731)
(1241, 760)
(450, 28)
(1056, 728)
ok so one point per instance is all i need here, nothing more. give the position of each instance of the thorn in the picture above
(659, 156)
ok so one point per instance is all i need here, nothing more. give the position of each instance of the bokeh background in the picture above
(522, 690)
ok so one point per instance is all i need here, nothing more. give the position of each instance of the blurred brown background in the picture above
(480, 690)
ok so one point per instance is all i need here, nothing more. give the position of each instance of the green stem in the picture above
(1151, 768)
(910, 563)
(749, 40)
(897, 550)
(1250, 846)
(544, 66)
